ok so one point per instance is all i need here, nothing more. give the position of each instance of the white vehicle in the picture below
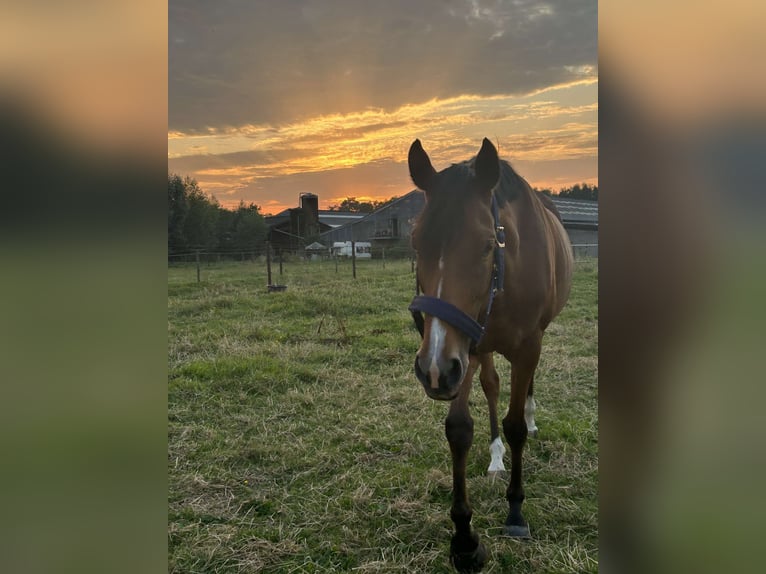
(343, 249)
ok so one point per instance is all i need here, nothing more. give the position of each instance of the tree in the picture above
(196, 221)
(178, 209)
(379, 204)
(249, 227)
(200, 227)
(227, 220)
(580, 191)
(192, 216)
(353, 205)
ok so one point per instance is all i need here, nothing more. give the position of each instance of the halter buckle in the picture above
(498, 231)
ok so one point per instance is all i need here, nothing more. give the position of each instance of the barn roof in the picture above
(338, 218)
(574, 212)
(329, 218)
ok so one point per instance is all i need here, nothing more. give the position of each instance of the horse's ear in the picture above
(487, 165)
(421, 170)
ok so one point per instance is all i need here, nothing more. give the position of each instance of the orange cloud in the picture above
(558, 123)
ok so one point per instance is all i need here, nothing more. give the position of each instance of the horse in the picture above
(494, 265)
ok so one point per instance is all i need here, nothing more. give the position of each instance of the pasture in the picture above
(299, 439)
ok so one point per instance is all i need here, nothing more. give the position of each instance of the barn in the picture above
(390, 226)
(580, 218)
(292, 229)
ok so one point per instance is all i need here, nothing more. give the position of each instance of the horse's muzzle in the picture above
(442, 380)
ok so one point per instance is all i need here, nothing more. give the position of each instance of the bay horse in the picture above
(494, 264)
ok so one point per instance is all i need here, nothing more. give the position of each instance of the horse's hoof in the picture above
(532, 432)
(466, 562)
(516, 531)
(467, 554)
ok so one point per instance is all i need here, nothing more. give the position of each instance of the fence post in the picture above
(268, 262)
(336, 262)
(280, 263)
(197, 257)
(353, 258)
(384, 258)
(412, 263)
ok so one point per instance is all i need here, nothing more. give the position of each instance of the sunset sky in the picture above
(269, 99)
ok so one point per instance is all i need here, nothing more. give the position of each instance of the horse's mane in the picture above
(549, 205)
(509, 188)
(511, 184)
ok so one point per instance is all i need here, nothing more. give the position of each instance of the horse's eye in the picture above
(490, 245)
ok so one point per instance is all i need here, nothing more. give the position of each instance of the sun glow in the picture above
(559, 123)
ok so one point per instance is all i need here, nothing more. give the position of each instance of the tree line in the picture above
(577, 191)
(196, 221)
(353, 205)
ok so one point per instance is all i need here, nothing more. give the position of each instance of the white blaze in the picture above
(437, 335)
(437, 340)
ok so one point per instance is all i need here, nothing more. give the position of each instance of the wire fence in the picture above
(259, 254)
(275, 264)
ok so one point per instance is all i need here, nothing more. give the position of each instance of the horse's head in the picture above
(455, 239)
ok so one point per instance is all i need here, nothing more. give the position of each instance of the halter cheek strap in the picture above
(449, 313)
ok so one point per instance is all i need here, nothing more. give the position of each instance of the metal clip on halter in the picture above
(500, 232)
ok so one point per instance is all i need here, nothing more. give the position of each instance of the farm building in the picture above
(390, 226)
(291, 229)
(580, 218)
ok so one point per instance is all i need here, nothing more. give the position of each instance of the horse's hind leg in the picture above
(523, 365)
(490, 383)
(466, 552)
(529, 409)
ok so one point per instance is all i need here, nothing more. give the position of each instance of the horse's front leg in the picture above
(466, 552)
(523, 366)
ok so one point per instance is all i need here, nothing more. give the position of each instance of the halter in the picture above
(449, 313)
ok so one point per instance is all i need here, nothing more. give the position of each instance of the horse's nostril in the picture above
(422, 376)
(455, 373)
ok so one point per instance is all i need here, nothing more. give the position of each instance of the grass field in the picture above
(300, 441)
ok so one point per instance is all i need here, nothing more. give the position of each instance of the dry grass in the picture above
(299, 440)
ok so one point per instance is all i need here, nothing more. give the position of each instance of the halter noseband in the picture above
(449, 313)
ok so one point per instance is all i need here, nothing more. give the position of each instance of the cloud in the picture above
(364, 153)
(337, 140)
(270, 99)
(384, 179)
(235, 63)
